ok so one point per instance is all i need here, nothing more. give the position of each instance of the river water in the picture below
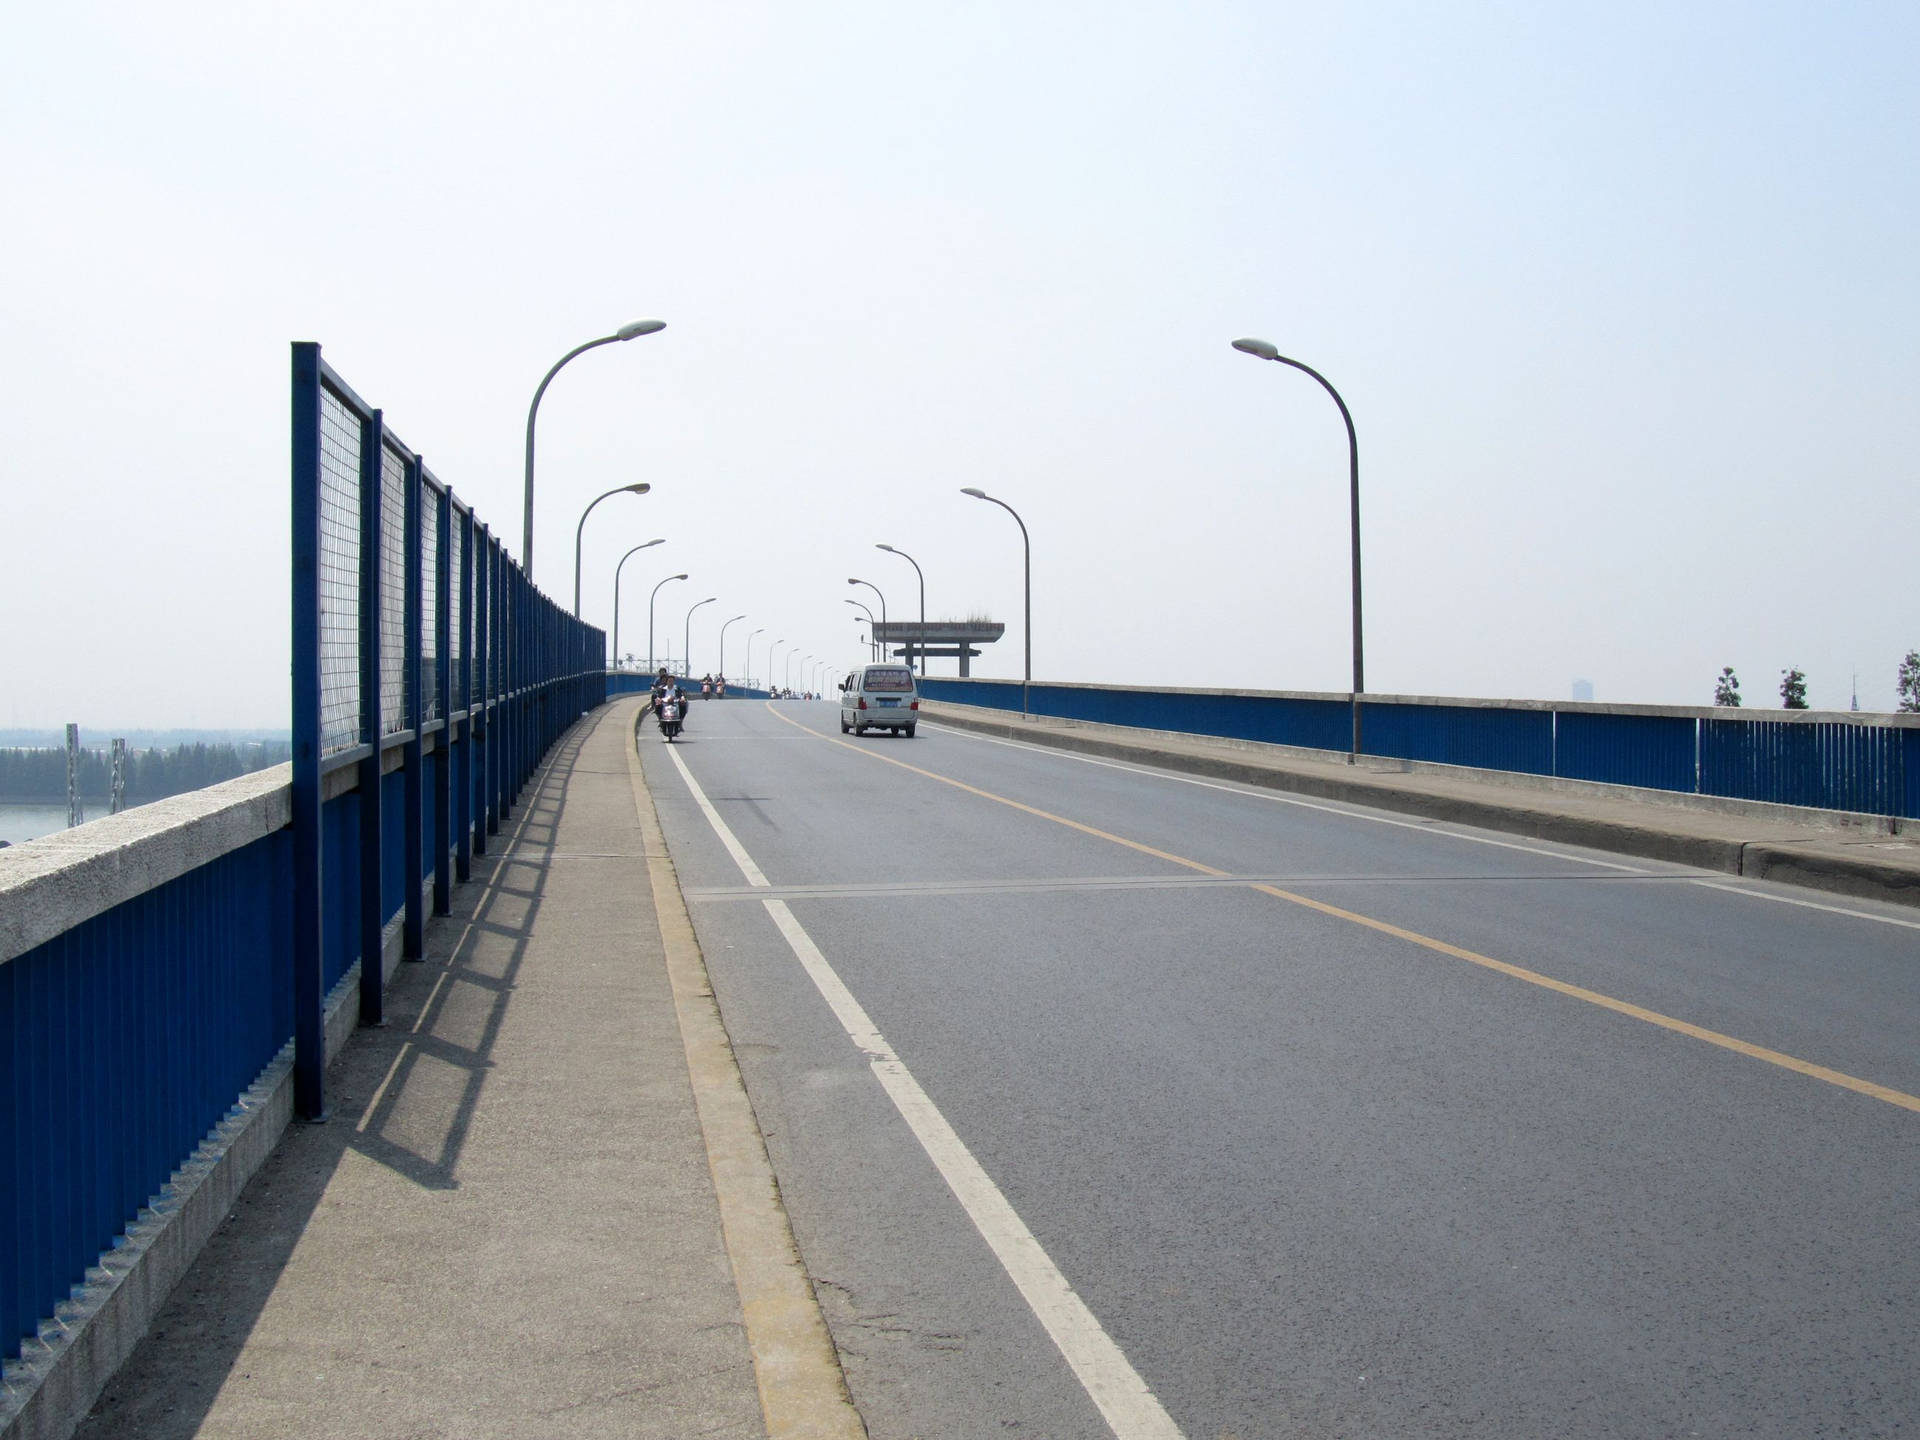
(30, 822)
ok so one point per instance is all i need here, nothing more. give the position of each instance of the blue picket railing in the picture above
(1824, 761)
(142, 994)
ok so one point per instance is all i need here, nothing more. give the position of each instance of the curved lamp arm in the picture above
(631, 331)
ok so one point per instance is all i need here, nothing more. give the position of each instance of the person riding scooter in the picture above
(666, 688)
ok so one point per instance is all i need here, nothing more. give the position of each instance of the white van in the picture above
(881, 697)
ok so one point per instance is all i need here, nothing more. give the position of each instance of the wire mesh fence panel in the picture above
(341, 436)
(496, 625)
(393, 590)
(430, 502)
(482, 619)
(456, 611)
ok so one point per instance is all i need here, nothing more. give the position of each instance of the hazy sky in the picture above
(1622, 298)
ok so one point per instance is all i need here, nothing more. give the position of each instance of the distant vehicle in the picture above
(879, 697)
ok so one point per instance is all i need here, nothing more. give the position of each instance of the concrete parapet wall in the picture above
(50, 885)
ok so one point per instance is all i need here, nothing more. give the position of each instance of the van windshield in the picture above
(890, 677)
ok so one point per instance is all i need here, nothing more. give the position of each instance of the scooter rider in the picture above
(665, 685)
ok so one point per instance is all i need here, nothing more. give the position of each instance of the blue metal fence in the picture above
(125, 1040)
(411, 626)
(429, 677)
(1823, 761)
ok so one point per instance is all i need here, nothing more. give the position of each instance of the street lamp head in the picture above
(639, 487)
(888, 548)
(1259, 349)
(638, 328)
(852, 581)
(651, 543)
(680, 576)
(970, 490)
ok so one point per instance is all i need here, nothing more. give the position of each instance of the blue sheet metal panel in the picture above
(340, 872)
(1277, 720)
(1910, 773)
(278, 861)
(1274, 720)
(15, 1314)
(127, 1039)
(433, 842)
(993, 694)
(393, 837)
(1829, 766)
(1654, 751)
(1483, 737)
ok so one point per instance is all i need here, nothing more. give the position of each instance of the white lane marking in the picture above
(1806, 904)
(1258, 794)
(1130, 1409)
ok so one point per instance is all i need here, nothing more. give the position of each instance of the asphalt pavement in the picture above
(1114, 1089)
(1338, 1120)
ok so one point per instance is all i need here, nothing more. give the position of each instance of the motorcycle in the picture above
(669, 712)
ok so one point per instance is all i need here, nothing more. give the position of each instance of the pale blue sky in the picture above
(1622, 298)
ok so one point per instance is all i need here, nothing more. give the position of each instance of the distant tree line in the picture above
(40, 775)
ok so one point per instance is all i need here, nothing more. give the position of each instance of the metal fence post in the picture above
(372, 626)
(413, 782)
(469, 674)
(443, 583)
(309, 1032)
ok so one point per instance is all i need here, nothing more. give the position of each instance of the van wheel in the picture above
(909, 732)
(844, 727)
(858, 728)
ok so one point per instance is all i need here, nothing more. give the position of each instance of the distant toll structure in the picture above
(937, 639)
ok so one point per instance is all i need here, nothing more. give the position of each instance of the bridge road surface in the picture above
(1309, 1176)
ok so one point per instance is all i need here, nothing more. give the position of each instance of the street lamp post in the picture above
(686, 640)
(914, 651)
(883, 609)
(625, 332)
(1026, 546)
(722, 670)
(790, 658)
(616, 593)
(746, 668)
(1263, 350)
(650, 599)
(770, 649)
(638, 488)
(871, 632)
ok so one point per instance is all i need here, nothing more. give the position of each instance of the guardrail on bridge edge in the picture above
(173, 979)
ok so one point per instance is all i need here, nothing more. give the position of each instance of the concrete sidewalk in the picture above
(510, 1225)
(1868, 856)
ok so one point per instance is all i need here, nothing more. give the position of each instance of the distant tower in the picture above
(76, 815)
(1583, 690)
(1856, 692)
(118, 802)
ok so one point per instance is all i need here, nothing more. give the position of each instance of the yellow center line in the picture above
(1428, 942)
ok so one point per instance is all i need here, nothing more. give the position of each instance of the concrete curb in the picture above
(1715, 840)
(803, 1388)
